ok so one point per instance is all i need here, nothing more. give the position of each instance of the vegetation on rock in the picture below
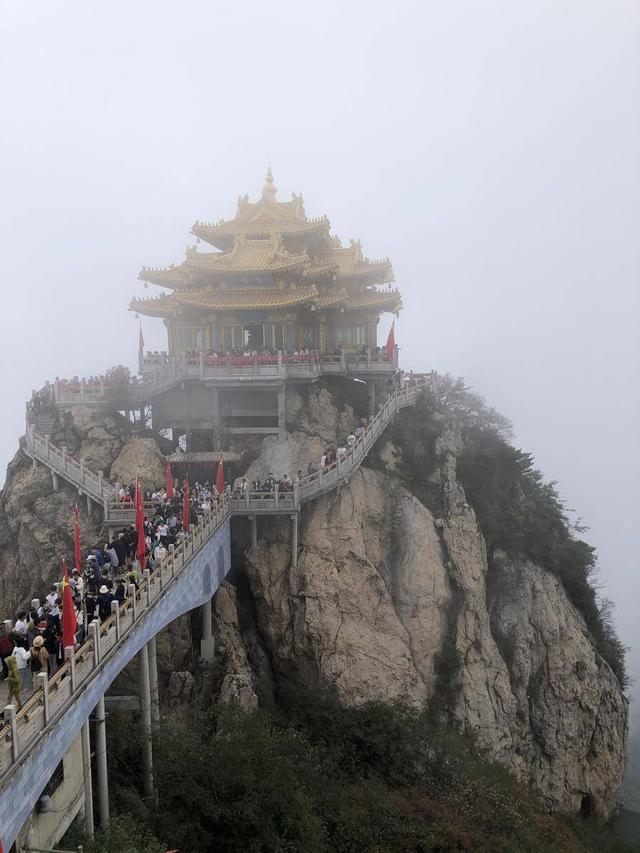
(517, 510)
(311, 776)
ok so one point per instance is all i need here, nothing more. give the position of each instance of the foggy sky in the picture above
(491, 150)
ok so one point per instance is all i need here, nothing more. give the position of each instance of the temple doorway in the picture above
(253, 337)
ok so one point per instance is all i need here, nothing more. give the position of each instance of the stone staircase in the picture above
(310, 487)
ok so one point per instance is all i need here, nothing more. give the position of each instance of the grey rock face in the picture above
(384, 593)
(36, 531)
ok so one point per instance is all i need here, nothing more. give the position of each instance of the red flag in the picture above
(76, 542)
(186, 506)
(220, 477)
(141, 545)
(169, 480)
(69, 622)
(140, 344)
(391, 340)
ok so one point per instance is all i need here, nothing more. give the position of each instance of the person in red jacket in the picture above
(6, 647)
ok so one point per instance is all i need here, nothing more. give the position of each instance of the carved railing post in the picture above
(94, 631)
(134, 601)
(41, 682)
(69, 653)
(10, 717)
(115, 609)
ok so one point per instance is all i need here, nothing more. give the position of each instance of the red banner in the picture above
(69, 621)
(220, 478)
(391, 340)
(186, 506)
(168, 474)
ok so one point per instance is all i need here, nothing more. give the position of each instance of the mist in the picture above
(490, 150)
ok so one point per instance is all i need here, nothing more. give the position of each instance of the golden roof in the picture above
(234, 299)
(248, 256)
(264, 244)
(351, 264)
(381, 300)
(264, 299)
(265, 217)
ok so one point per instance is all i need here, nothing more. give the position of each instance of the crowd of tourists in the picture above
(34, 643)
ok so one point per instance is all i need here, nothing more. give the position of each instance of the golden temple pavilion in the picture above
(278, 281)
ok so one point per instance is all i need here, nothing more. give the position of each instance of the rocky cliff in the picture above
(394, 598)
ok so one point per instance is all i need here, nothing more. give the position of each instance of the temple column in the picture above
(322, 335)
(144, 687)
(282, 428)
(294, 540)
(153, 682)
(207, 643)
(86, 775)
(101, 765)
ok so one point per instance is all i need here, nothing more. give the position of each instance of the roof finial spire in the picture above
(269, 191)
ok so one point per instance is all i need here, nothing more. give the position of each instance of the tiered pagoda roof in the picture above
(271, 256)
(265, 299)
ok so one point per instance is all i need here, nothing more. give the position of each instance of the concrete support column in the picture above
(253, 520)
(145, 722)
(101, 765)
(207, 643)
(372, 397)
(294, 540)
(86, 775)
(282, 428)
(55, 481)
(153, 682)
(88, 505)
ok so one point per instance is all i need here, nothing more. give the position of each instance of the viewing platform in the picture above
(161, 373)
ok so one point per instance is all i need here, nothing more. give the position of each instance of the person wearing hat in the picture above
(39, 656)
(104, 602)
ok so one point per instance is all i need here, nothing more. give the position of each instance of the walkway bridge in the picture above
(34, 740)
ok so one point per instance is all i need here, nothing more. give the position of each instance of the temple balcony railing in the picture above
(161, 373)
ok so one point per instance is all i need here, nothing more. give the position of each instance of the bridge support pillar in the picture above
(207, 643)
(101, 765)
(145, 722)
(88, 505)
(55, 481)
(294, 540)
(86, 775)
(282, 428)
(153, 682)
(253, 520)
